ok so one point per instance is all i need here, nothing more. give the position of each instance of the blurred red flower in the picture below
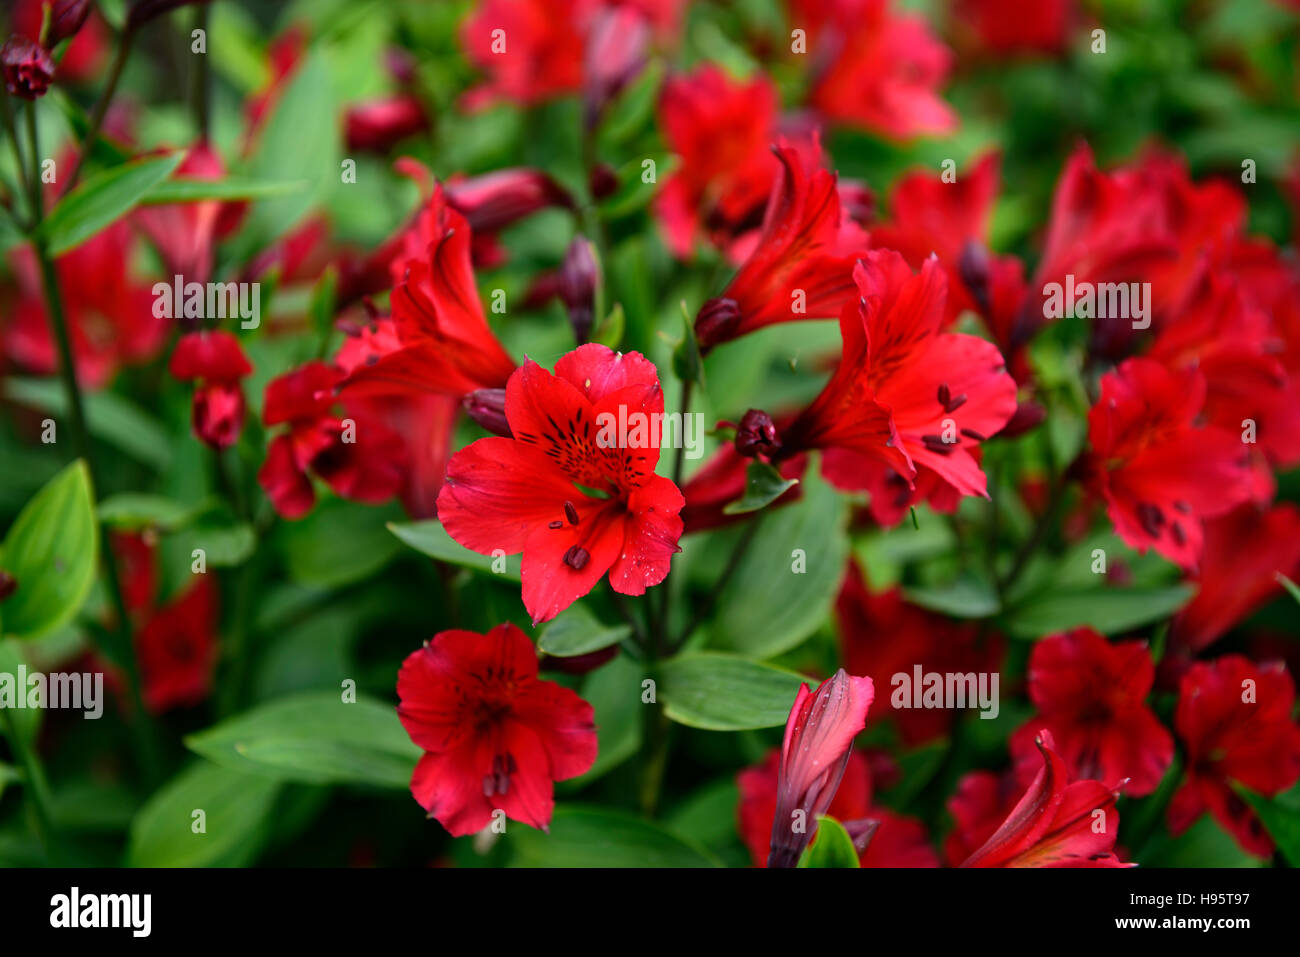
(218, 363)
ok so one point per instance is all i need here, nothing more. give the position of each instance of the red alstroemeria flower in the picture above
(897, 841)
(495, 736)
(983, 800)
(905, 394)
(1236, 346)
(721, 129)
(446, 344)
(1234, 719)
(1104, 227)
(883, 70)
(425, 423)
(1056, 823)
(1158, 472)
(537, 50)
(1006, 28)
(882, 635)
(802, 265)
(216, 360)
(360, 459)
(110, 317)
(378, 125)
(83, 57)
(185, 233)
(1245, 551)
(1091, 695)
(177, 649)
(575, 508)
(814, 754)
(928, 216)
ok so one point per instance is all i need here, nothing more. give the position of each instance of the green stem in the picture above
(35, 787)
(199, 76)
(19, 160)
(101, 107)
(125, 652)
(34, 181)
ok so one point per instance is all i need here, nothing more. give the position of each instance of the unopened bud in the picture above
(28, 69)
(487, 407)
(756, 434)
(578, 278)
(716, 321)
(66, 18)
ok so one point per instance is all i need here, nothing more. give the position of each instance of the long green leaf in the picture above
(102, 200)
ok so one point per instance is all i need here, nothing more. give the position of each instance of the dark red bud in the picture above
(487, 407)
(602, 182)
(1028, 415)
(28, 69)
(756, 433)
(66, 18)
(578, 278)
(8, 584)
(142, 11)
(974, 269)
(716, 322)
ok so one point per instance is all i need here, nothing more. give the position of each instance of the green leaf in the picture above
(135, 510)
(430, 538)
(576, 631)
(614, 693)
(688, 364)
(224, 546)
(610, 330)
(965, 597)
(787, 578)
(595, 837)
(338, 543)
(26, 721)
(50, 550)
(720, 692)
(633, 191)
(314, 738)
(324, 296)
(236, 816)
(831, 846)
(763, 486)
(1108, 610)
(230, 189)
(108, 416)
(102, 200)
(1281, 818)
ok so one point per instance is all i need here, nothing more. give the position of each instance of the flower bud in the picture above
(66, 18)
(500, 198)
(715, 321)
(8, 584)
(28, 69)
(578, 278)
(756, 434)
(487, 407)
(376, 125)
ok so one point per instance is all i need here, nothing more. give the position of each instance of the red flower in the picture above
(721, 130)
(445, 344)
(111, 319)
(82, 57)
(884, 69)
(1234, 718)
(882, 635)
(905, 394)
(801, 267)
(576, 501)
(1159, 473)
(1236, 347)
(1056, 823)
(531, 49)
(377, 125)
(928, 216)
(982, 802)
(1009, 27)
(359, 459)
(1245, 551)
(217, 361)
(177, 649)
(28, 69)
(897, 841)
(495, 737)
(1091, 697)
(814, 755)
(185, 233)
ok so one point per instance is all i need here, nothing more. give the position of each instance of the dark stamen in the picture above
(577, 557)
(973, 435)
(555, 525)
(571, 513)
(1150, 518)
